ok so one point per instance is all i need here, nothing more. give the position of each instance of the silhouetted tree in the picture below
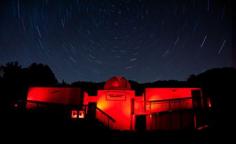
(15, 80)
(11, 84)
(90, 87)
(39, 74)
(219, 85)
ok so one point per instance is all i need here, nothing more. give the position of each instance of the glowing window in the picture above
(81, 114)
(74, 114)
(209, 102)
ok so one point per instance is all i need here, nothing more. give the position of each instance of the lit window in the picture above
(16, 105)
(209, 102)
(74, 114)
(81, 114)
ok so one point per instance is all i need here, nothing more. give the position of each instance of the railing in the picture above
(169, 104)
(100, 115)
(103, 117)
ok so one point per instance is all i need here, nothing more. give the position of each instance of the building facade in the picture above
(117, 106)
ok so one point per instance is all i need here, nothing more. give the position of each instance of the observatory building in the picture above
(117, 106)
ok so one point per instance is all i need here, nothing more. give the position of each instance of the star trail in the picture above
(92, 40)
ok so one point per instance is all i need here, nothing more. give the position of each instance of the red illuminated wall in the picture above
(117, 104)
(53, 95)
(168, 93)
(163, 105)
(89, 99)
(155, 99)
(139, 105)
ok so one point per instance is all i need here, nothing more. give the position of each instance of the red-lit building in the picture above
(118, 107)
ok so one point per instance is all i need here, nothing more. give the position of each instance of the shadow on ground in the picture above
(22, 128)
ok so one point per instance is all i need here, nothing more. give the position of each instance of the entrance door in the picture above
(92, 111)
(140, 124)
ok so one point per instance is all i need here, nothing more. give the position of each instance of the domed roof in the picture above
(117, 83)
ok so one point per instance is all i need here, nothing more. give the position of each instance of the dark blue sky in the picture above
(92, 40)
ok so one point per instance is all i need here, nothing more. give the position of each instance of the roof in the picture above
(117, 83)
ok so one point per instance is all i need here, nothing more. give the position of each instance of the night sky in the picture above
(93, 40)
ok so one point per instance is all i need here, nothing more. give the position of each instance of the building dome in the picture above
(117, 83)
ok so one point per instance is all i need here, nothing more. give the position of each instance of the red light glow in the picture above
(55, 95)
(115, 84)
(117, 104)
(153, 94)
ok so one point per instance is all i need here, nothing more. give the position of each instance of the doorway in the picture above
(91, 114)
(140, 124)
